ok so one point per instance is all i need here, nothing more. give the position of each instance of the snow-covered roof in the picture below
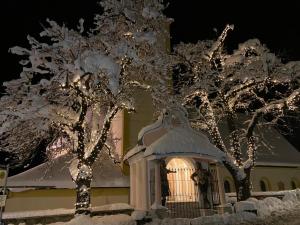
(137, 149)
(276, 150)
(182, 141)
(273, 149)
(171, 135)
(56, 174)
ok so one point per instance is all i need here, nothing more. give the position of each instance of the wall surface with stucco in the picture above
(61, 198)
(270, 175)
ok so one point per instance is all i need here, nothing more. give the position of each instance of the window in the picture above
(227, 186)
(280, 186)
(263, 185)
(293, 184)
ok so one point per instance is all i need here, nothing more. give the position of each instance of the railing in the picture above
(182, 187)
(184, 195)
(185, 201)
(260, 195)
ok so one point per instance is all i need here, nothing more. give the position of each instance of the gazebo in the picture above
(172, 139)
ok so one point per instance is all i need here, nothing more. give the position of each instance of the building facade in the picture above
(49, 186)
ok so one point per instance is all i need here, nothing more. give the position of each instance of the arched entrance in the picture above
(186, 199)
(182, 188)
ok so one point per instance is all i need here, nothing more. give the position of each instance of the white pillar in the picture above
(133, 181)
(144, 185)
(138, 185)
(157, 183)
(220, 185)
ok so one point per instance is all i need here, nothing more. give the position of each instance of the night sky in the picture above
(276, 24)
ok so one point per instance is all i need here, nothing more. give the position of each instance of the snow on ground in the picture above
(290, 217)
(269, 205)
(115, 206)
(61, 212)
(266, 210)
(120, 219)
(228, 219)
(37, 213)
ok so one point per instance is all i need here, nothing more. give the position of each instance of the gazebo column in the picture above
(138, 191)
(157, 182)
(133, 182)
(220, 185)
(144, 186)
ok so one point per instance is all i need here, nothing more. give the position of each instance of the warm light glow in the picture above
(180, 182)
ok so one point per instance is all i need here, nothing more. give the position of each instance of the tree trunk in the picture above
(83, 190)
(243, 187)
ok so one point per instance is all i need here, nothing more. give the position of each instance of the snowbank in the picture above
(270, 204)
(138, 214)
(264, 208)
(37, 213)
(97, 220)
(246, 206)
(115, 206)
(61, 212)
(226, 219)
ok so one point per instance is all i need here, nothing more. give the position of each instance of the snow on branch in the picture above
(220, 41)
(225, 92)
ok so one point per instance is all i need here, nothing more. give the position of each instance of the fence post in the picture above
(220, 185)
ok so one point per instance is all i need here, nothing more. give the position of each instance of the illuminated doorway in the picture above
(182, 188)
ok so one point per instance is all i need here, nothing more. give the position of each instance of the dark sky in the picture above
(276, 24)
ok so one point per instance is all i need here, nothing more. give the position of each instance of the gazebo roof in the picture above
(171, 135)
(184, 141)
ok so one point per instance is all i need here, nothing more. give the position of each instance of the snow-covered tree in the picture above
(75, 81)
(24, 126)
(234, 94)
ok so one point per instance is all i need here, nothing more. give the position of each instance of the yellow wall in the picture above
(134, 122)
(62, 198)
(273, 175)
